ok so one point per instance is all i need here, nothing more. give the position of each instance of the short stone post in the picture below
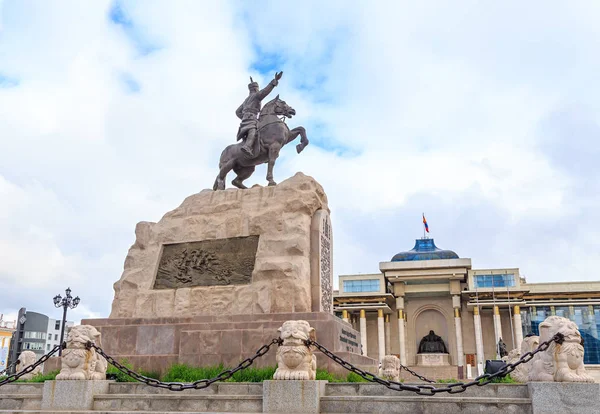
(82, 374)
(295, 389)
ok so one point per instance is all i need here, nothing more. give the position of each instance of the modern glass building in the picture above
(34, 332)
(428, 288)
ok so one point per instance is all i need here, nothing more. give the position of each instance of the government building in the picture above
(470, 310)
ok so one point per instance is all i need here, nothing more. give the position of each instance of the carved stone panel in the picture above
(217, 262)
(322, 262)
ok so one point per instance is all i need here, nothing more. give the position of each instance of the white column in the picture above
(363, 331)
(345, 316)
(388, 343)
(401, 336)
(478, 341)
(380, 334)
(460, 357)
(518, 326)
(497, 328)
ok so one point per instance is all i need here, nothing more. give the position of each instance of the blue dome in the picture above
(425, 249)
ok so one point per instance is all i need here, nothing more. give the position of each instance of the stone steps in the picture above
(248, 398)
(178, 402)
(21, 396)
(22, 388)
(424, 405)
(219, 397)
(219, 388)
(368, 389)
(20, 401)
(100, 412)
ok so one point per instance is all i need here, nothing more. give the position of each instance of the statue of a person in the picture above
(502, 348)
(432, 344)
(248, 112)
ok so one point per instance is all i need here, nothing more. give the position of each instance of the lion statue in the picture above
(521, 372)
(560, 362)
(295, 360)
(26, 359)
(390, 368)
(79, 363)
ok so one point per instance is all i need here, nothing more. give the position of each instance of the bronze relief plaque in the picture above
(217, 262)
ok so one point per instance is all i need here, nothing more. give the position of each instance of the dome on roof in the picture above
(425, 249)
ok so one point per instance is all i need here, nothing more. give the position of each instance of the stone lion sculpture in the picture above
(521, 372)
(295, 360)
(560, 362)
(26, 359)
(390, 368)
(79, 363)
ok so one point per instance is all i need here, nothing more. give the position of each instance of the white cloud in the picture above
(465, 113)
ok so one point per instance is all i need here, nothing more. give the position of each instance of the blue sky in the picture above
(484, 116)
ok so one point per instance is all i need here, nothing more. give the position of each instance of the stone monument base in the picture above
(71, 394)
(429, 360)
(154, 344)
(293, 396)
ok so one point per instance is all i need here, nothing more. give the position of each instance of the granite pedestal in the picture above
(154, 344)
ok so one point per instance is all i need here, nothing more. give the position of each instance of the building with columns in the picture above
(429, 289)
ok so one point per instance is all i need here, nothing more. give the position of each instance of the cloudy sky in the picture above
(485, 116)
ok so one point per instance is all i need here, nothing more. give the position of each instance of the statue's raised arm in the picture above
(262, 94)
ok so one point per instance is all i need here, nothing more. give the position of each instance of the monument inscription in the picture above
(217, 262)
(349, 339)
(321, 262)
(326, 271)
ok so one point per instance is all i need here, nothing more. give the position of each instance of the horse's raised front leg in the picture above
(303, 139)
(273, 154)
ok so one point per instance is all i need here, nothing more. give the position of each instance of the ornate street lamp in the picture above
(67, 302)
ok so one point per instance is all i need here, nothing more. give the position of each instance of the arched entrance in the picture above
(431, 320)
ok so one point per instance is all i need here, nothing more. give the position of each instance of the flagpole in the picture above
(423, 226)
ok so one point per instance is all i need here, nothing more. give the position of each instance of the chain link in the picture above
(454, 388)
(180, 386)
(28, 369)
(413, 373)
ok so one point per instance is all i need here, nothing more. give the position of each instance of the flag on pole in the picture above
(425, 223)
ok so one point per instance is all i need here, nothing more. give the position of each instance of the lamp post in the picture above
(67, 302)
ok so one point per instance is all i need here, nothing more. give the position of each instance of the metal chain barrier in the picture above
(28, 369)
(453, 388)
(413, 373)
(180, 386)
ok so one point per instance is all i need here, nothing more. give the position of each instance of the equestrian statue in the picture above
(262, 133)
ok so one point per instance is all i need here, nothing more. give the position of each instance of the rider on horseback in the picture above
(249, 110)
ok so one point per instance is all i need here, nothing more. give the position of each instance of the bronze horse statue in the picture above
(273, 133)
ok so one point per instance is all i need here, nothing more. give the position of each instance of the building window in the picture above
(35, 335)
(34, 346)
(56, 325)
(587, 318)
(56, 337)
(368, 285)
(494, 281)
(48, 347)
